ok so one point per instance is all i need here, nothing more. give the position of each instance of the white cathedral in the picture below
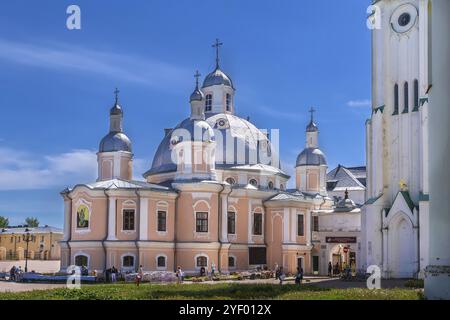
(396, 214)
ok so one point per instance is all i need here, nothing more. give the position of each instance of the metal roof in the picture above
(19, 230)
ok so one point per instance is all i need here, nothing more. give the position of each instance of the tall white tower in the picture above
(396, 214)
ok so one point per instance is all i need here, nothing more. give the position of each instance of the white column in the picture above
(250, 222)
(308, 228)
(286, 225)
(112, 219)
(143, 219)
(67, 218)
(293, 217)
(384, 249)
(116, 165)
(224, 231)
(437, 274)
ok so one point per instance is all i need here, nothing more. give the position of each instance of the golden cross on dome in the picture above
(217, 45)
(403, 185)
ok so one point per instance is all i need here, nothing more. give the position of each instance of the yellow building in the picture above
(43, 244)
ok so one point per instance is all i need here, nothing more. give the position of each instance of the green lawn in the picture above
(226, 291)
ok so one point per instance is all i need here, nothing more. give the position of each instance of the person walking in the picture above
(180, 275)
(139, 276)
(113, 274)
(297, 276)
(12, 274)
(330, 269)
(281, 275)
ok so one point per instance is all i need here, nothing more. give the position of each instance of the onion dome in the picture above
(311, 157)
(115, 141)
(217, 77)
(197, 95)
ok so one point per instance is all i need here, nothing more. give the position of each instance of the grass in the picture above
(226, 291)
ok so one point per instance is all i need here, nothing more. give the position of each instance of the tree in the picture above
(4, 222)
(32, 222)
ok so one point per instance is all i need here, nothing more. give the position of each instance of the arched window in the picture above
(395, 99)
(406, 94)
(208, 102)
(253, 182)
(128, 261)
(81, 260)
(270, 185)
(230, 181)
(201, 261)
(416, 94)
(231, 262)
(161, 262)
(228, 101)
(282, 187)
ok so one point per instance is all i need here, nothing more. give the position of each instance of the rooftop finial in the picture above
(196, 76)
(312, 110)
(217, 45)
(116, 93)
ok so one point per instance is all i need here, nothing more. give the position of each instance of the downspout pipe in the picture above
(70, 229)
(137, 227)
(219, 227)
(107, 230)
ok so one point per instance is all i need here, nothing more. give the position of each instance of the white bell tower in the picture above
(397, 140)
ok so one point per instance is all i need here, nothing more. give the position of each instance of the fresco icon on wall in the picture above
(82, 217)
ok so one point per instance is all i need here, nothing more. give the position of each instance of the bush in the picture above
(414, 283)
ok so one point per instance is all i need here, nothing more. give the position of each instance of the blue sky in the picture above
(56, 85)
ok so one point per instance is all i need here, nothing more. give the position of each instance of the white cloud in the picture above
(359, 103)
(124, 67)
(20, 170)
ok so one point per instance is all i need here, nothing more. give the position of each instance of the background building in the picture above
(350, 179)
(44, 244)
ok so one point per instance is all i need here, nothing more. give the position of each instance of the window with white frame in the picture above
(257, 224)
(128, 219)
(201, 224)
(253, 182)
(162, 221)
(128, 261)
(208, 102)
(231, 222)
(228, 101)
(231, 262)
(230, 181)
(161, 261)
(201, 261)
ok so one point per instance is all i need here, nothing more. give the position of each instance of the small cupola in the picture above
(197, 101)
(218, 88)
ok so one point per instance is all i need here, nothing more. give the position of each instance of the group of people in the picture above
(281, 275)
(335, 270)
(15, 273)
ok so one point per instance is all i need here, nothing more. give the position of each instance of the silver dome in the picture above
(221, 123)
(217, 77)
(312, 127)
(311, 157)
(197, 95)
(115, 141)
(116, 110)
